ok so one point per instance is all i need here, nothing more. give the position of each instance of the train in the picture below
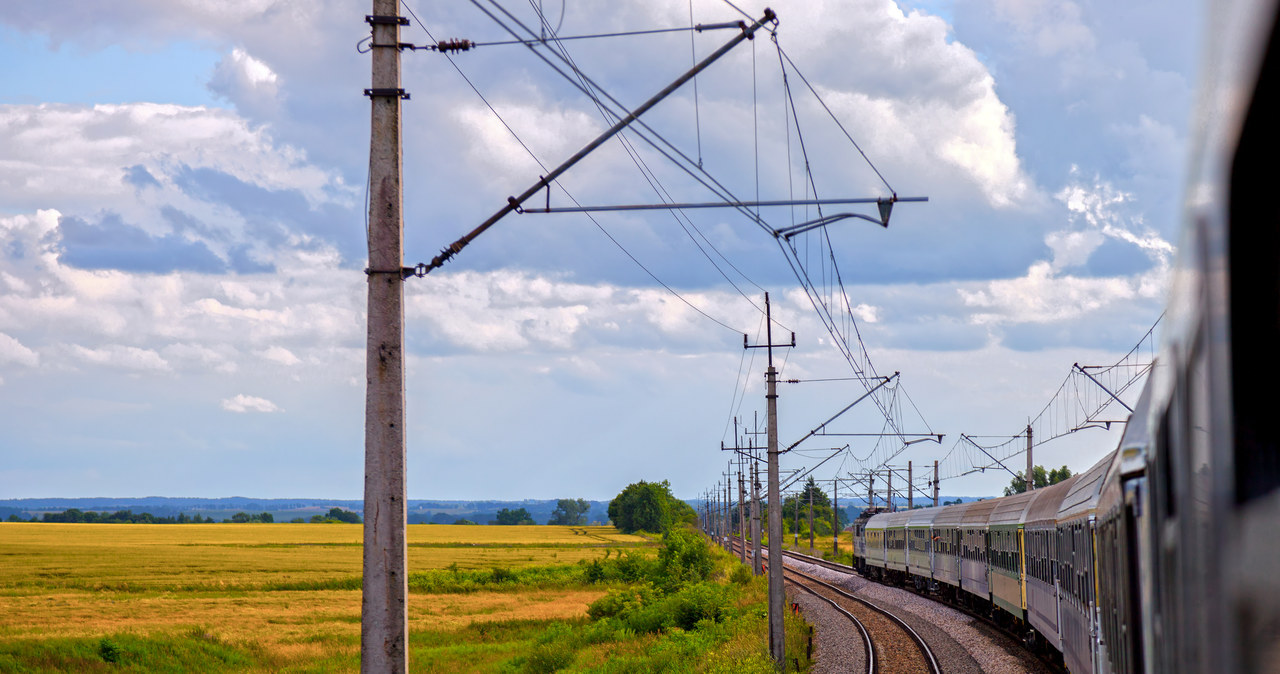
(1164, 556)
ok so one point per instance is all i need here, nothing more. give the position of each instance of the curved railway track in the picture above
(890, 645)
(1038, 655)
(896, 648)
(868, 648)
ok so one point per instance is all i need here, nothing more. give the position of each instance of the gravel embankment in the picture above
(837, 647)
(962, 645)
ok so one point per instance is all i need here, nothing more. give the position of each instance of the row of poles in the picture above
(723, 517)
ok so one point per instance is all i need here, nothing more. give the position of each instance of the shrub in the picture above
(684, 558)
(108, 650)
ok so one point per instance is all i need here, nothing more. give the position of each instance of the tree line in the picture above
(77, 516)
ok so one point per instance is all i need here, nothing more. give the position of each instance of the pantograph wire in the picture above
(587, 86)
(566, 192)
(652, 179)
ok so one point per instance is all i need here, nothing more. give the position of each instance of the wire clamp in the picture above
(376, 20)
(515, 204)
(418, 270)
(393, 93)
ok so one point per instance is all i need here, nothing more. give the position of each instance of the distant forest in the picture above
(163, 509)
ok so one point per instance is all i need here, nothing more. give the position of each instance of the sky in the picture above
(182, 238)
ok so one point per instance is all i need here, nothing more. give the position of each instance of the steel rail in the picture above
(867, 648)
(932, 661)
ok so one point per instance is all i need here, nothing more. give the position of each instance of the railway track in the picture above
(890, 645)
(868, 647)
(894, 647)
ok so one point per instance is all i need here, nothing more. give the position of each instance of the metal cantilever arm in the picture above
(788, 232)
(514, 203)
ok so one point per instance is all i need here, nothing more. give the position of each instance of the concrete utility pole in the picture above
(796, 531)
(811, 517)
(935, 483)
(383, 613)
(742, 520)
(777, 641)
(1031, 478)
(835, 518)
(756, 557)
(911, 488)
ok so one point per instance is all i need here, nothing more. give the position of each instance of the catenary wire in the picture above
(570, 196)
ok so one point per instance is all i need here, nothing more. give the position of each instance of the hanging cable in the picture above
(566, 192)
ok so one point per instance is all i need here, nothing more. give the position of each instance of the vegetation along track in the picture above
(897, 648)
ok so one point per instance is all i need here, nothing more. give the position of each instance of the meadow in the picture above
(286, 597)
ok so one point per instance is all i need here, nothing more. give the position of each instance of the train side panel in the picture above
(1075, 527)
(1041, 556)
(946, 544)
(1008, 570)
(973, 541)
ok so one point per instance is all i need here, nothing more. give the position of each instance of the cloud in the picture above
(247, 82)
(279, 355)
(1100, 206)
(187, 183)
(243, 403)
(12, 351)
(120, 356)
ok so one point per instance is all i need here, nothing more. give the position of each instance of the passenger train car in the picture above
(1165, 555)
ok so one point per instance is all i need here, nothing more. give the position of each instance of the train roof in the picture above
(1010, 509)
(1137, 434)
(1082, 498)
(1046, 502)
(898, 519)
(978, 512)
(922, 517)
(951, 515)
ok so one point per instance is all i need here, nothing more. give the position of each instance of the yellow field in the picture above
(255, 556)
(287, 592)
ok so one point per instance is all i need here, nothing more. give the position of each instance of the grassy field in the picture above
(267, 597)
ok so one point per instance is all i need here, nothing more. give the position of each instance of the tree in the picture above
(1040, 477)
(570, 512)
(508, 516)
(649, 506)
(336, 514)
(341, 515)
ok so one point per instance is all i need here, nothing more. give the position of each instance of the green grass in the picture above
(286, 598)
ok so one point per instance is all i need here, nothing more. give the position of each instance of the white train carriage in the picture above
(1041, 560)
(920, 541)
(895, 539)
(946, 544)
(973, 549)
(1076, 572)
(1008, 573)
(873, 541)
(1120, 620)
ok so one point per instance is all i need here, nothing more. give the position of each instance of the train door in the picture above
(1022, 569)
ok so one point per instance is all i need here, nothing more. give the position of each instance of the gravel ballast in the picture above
(962, 644)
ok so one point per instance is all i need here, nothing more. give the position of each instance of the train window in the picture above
(1253, 245)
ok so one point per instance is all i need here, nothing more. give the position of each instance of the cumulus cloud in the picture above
(13, 351)
(279, 355)
(247, 82)
(243, 403)
(158, 182)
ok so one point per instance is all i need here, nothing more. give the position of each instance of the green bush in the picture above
(684, 558)
(108, 650)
